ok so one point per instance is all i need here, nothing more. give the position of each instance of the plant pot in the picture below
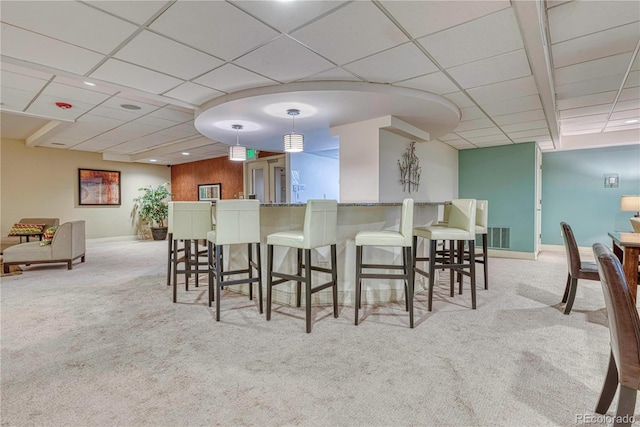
(159, 233)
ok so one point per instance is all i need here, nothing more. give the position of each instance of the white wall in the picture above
(43, 182)
(319, 176)
(359, 160)
(439, 163)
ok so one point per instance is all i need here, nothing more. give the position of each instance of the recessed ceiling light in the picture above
(185, 154)
(152, 160)
(89, 83)
(130, 106)
(632, 121)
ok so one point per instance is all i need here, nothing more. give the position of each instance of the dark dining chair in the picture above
(577, 268)
(624, 329)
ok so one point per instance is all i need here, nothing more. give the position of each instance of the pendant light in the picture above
(237, 152)
(293, 142)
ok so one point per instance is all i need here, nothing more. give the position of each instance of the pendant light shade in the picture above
(237, 152)
(293, 142)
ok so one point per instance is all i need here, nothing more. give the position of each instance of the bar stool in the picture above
(189, 221)
(319, 230)
(237, 222)
(385, 238)
(461, 229)
(482, 225)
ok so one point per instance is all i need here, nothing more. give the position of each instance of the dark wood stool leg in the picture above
(409, 279)
(299, 284)
(485, 260)
(472, 271)
(170, 258)
(334, 279)
(259, 268)
(307, 282)
(250, 268)
(358, 280)
(269, 279)
(432, 270)
(211, 270)
(218, 279)
(609, 387)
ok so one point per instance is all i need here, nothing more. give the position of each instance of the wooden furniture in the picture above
(624, 328)
(626, 246)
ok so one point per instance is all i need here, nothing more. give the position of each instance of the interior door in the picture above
(265, 179)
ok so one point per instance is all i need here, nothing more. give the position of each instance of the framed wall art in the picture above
(99, 187)
(209, 192)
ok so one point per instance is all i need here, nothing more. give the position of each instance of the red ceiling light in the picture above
(63, 105)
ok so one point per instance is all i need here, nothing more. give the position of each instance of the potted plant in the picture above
(153, 208)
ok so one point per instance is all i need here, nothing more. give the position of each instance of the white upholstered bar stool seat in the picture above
(461, 228)
(319, 230)
(237, 223)
(386, 238)
(190, 222)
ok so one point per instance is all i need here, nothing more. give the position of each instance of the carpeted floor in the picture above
(103, 345)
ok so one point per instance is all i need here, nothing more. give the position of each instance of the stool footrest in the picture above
(238, 281)
(383, 276)
(385, 266)
(321, 287)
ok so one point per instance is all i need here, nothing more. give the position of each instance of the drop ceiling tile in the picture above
(231, 78)
(398, 63)
(335, 73)
(15, 99)
(145, 107)
(593, 16)
(99, 145)
(145, 142)
(460, 99)
(585, 111)
(471, 113)
(626, 115)
(500, 91)
(166, 56)
(589, 87)
(193, 93)
(437, 83)
(200, 24)
(286, 16)
(473, 124)
(587, 100)
(482, 38)
(493, 143)
(136, 11)
(594, 46)
(479, 132)
(284, 60)
(627, 105)
(71, 22)
(73, 95)
(612, 65)
(514, 105)
(517, 127)
(97, 120)
(449, 137)
(349, 33)
(79, 83)
(496, 69)
(18, 44)
(491, 139)
(133, 76)
(21, 82)
(181, 131)
(544, 132)
(577, 129)
(83, 131)
(524, 116)
(45, 105)
(156, 122)
(633, 80)
(174, 114)
(6, 66)
(116, 113)
(461, 145)
(427, 17)
(614, 127)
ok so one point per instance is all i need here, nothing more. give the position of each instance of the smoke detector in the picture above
(63, 105)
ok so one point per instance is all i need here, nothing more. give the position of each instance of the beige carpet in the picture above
(103, 345)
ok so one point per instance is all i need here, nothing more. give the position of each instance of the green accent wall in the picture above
(573, 191)
(506, 177)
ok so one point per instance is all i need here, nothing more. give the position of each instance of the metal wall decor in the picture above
(410, 169)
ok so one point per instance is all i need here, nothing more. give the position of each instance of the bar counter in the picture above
(352, 218)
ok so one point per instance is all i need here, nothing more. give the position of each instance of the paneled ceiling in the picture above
(564, 74)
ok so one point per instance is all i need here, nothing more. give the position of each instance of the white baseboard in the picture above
(113, 239)
(511, 254)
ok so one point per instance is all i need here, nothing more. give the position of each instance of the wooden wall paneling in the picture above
(186, 177)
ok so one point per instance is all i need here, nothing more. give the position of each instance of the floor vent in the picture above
(498, 237)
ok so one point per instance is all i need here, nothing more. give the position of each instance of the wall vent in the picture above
(499, 237)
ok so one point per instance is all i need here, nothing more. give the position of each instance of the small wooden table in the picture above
(626, 246)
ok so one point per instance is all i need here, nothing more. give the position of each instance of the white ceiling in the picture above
(565, 74)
